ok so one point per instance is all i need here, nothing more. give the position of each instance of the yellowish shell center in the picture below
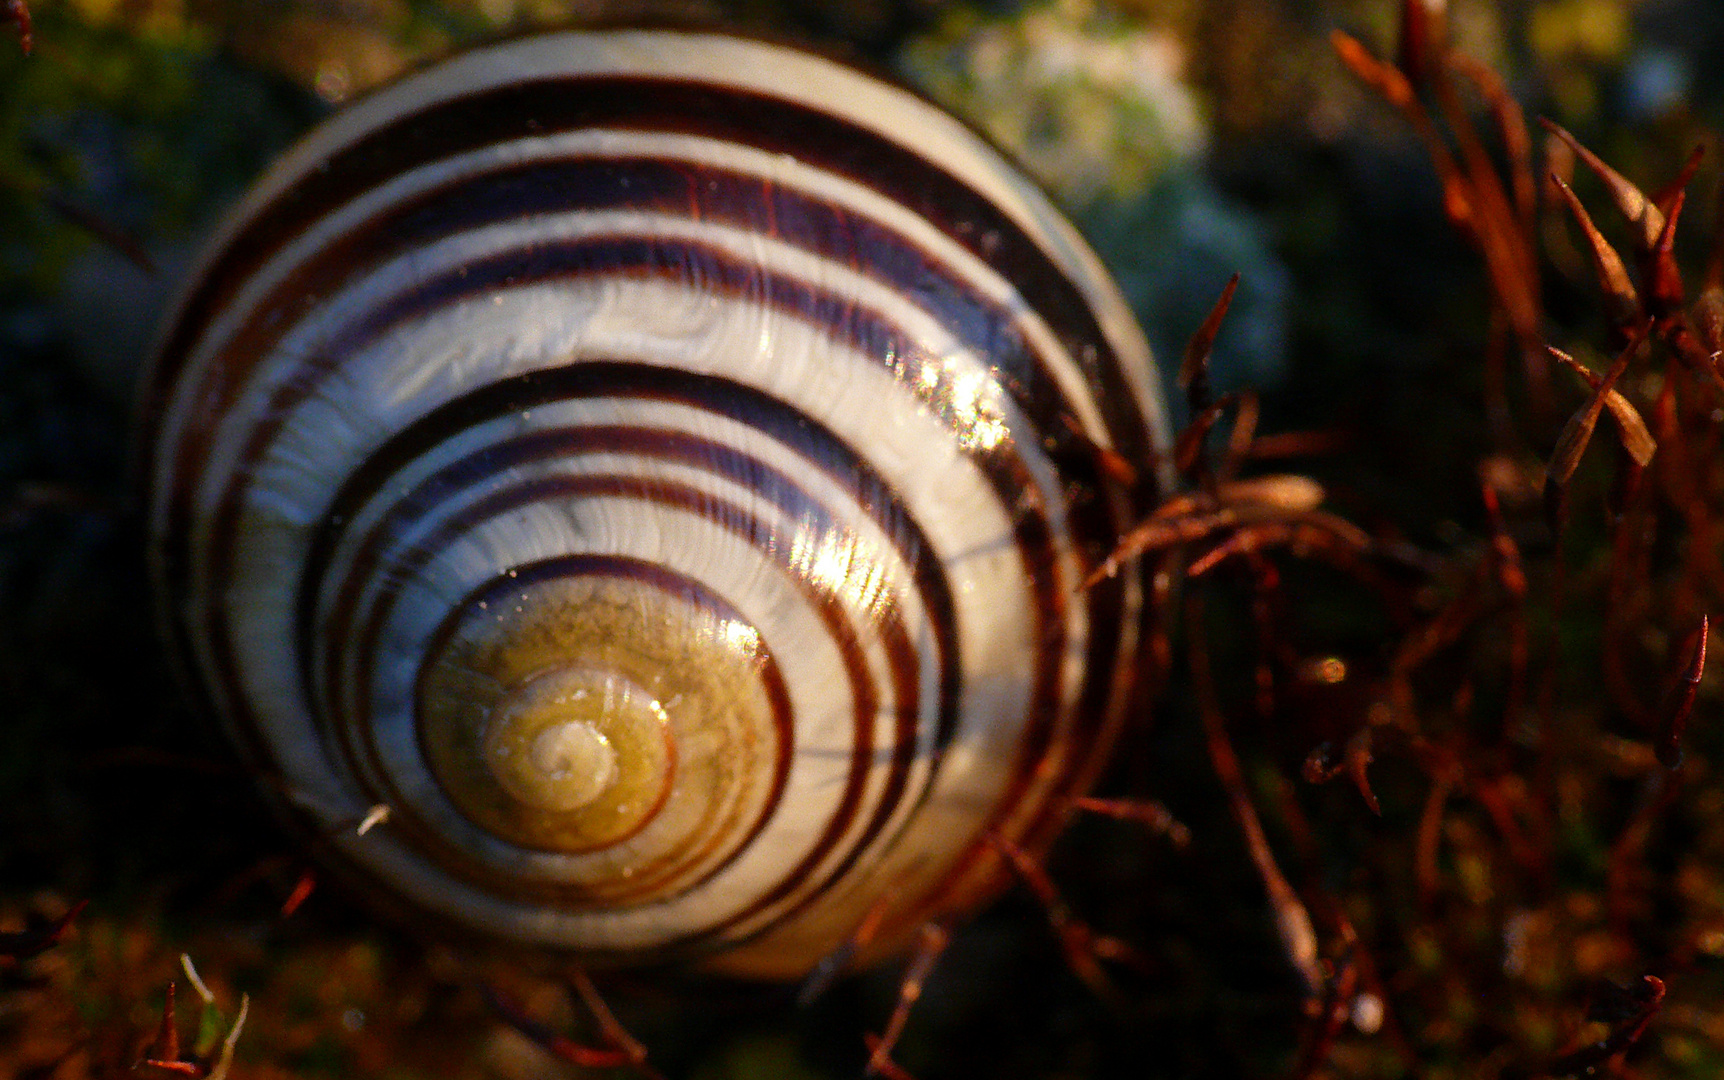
(598, 712)
(575, 738)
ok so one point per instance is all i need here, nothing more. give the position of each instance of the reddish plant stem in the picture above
(834, 963)
(1679, 703)
(1292, 921)
(930, 943)
(1331, 1016)
(1081, 945)
(17, 12)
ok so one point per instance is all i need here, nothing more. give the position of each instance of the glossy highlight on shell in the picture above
(659, 468)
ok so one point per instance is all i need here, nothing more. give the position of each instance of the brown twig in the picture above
(833, 964)
(622, 1051)
(17, 12)
(1332, 1013)
(1643, 1001)
(1679, 704)
(931, 941)
(1081, 946)
(1194, 365)
(1152, 815)
(1292, 921)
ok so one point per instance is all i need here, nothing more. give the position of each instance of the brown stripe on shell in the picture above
(832, 231)
(737, 520)
(814, 444)
(891, 518)
(675, 190)
(736, 402)
(1040, 753)
(869, 333)
(549, 106)
(1056, 753)
(905, 750)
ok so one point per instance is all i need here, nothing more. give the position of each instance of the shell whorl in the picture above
(643, 462)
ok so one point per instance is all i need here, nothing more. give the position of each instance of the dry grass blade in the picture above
(1309, 443)
(1394, 88)
(929, 945)
(1647, 998)
(1254, 499)
(1664, 293)
(1630, 425)
(1577, 433)
(1314, 531)
(164, 1051)
(1111, 462)
(1078, 943)
(110, 235)
(1283, 491)
(1428, 843)
(1239, 439)
(209, 1059)
(879, 1064)
(1259, 500)
(1387, 80)
(1194, 366)
(1506, 247)
(1158, 532)
(224, 1061)
(1188, 447)
(1511, 576)
(1680, 703)
(300, 893)
(835, 962)
(1292, 920)
(567, 1049)
(1666, 196)
(557, 1045)
(609, 1026)
(1511, 128)
(1630, 200)
(1620, 298)
(1473, 195)
(1157, 818)
(1684, 341)
(1510, 573)
(1331, 1017)
(1359, 765)
(1282, 505)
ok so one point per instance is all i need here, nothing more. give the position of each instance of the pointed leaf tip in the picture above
(1630, 201)
(1618, 288)
(1635, 436)
(1195, 364)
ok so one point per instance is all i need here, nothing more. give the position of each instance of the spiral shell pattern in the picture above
(659, 468)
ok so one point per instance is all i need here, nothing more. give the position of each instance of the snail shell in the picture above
(644, 462)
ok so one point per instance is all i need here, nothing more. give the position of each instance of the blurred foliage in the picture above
(139, 119)
(1097, 106)
(1192, 139)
